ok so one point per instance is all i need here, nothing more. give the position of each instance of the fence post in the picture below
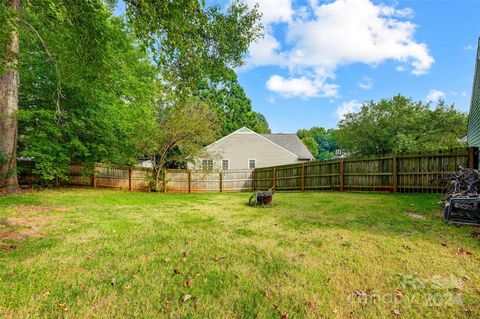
(221, 182)
(473, 157)
(165, 180)
(341, 176)
(94, 178)
(274, 179)
(394, 172)
(130, 179)
(189, 182)
(253, 180)
(303, 177)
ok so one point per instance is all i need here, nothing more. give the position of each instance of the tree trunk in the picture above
(9, 82)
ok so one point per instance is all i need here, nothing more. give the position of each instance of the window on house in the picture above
(252, 163)
(225, 164)
(207, 164)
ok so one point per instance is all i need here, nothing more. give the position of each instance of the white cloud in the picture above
(468, 47)
(265, 52)
(320, 37)
(434, 95)
(273, 10)
(366, 83)
(400, 68)
(352, 106)
(300, 87)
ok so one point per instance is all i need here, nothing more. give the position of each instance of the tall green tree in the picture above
(321, 142)
(84, 123)
(233, 106)
(187, 40)
(180, 132)
(400, 124)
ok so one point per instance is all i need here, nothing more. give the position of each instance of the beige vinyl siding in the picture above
(240, 147)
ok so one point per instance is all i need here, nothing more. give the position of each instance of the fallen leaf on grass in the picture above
(185, 254)
(466, 277)
(312, 304)
(266, 294)
(184, 259)
(166, 260)
(444, 244)
(113, 281)
(360, 293)
(396, 312)
(399, 293)
(219, 258)
(188, 283)
(176, 272)
(284, 315)
(186, 297)
(89, 257)
(464, 251)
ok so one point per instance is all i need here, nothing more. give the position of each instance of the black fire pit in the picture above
(261, 198)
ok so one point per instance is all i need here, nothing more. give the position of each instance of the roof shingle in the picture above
(292, 143)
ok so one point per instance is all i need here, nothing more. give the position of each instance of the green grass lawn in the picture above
(115, 254)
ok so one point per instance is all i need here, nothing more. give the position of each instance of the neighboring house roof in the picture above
(292, 143)
(288, 142)
(474, 115)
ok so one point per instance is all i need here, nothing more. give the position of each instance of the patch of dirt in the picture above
(8, 247)
(16, 228)
(30, 221)
(40, 209)
(17, 234)
(415, 215)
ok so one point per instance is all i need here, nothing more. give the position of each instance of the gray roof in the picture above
(292, 143)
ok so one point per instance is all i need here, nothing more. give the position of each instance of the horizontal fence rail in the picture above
(396, 173)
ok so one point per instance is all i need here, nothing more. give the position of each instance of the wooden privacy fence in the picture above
(396, 173)
(183, 181)
(176, 180)
(108, 176)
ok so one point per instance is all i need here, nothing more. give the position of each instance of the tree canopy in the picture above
(400, 124)
(92, 84)
(320, 142)
(233, 106)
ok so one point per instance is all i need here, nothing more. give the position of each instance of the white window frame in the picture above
(248, 163)
(204, 168)
(228, 164)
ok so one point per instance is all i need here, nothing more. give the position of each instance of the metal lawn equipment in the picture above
(262, 198)
(463, 210)
(462, 205)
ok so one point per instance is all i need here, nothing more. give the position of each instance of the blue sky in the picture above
(320, 59)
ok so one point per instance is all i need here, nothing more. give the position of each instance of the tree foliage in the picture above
(400, 124)
(92, 85)
(65, 117)
(233, 106)
(190, 41)
(320, 142)
(181, 132)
